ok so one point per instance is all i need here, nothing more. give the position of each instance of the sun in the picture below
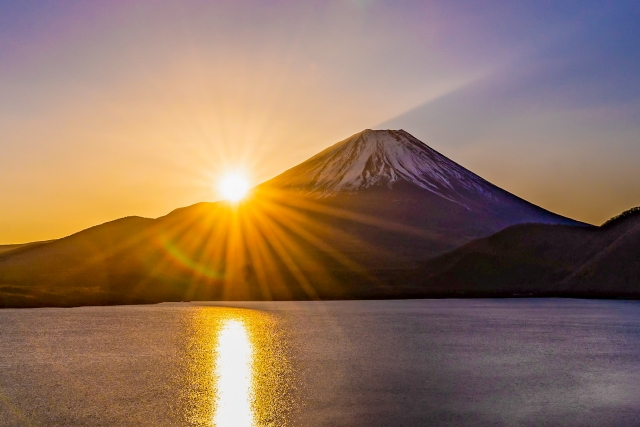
(233, 187)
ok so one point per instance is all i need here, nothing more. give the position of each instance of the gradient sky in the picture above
(119, 108)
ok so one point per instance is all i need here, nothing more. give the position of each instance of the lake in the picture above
(528, 362)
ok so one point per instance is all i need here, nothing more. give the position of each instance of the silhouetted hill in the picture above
(615, 269)
(537, 259)
(6, 249)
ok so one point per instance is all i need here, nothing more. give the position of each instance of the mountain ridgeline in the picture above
(542, 260)
(378, 215)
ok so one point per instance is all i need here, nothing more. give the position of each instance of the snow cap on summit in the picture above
(381, 158)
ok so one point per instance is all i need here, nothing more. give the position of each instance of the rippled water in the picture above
(349, 363)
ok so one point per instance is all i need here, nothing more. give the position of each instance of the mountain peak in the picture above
(373, 135)
(382, 158)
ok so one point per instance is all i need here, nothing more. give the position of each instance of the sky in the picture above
(138, 107)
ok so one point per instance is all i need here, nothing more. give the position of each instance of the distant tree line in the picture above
(623, 215)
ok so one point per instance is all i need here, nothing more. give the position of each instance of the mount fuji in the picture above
(340, 225)
(401, 198)
(391, 159)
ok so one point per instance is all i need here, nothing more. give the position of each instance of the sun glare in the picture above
(233, 187)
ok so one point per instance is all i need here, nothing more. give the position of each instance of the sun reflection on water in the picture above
(238, 370)
(233, 373)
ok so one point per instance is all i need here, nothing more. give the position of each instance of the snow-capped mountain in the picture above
(391, 192)
(382, 158)
(397, 161)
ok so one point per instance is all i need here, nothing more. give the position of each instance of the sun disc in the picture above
(234, 187)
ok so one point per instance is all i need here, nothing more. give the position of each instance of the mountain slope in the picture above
(615, 269)
(340, 225)
(536, 259)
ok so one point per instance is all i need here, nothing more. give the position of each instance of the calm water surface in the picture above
(349, 363)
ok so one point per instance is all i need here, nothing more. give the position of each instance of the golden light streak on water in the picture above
(234, 375)
(238, 370)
